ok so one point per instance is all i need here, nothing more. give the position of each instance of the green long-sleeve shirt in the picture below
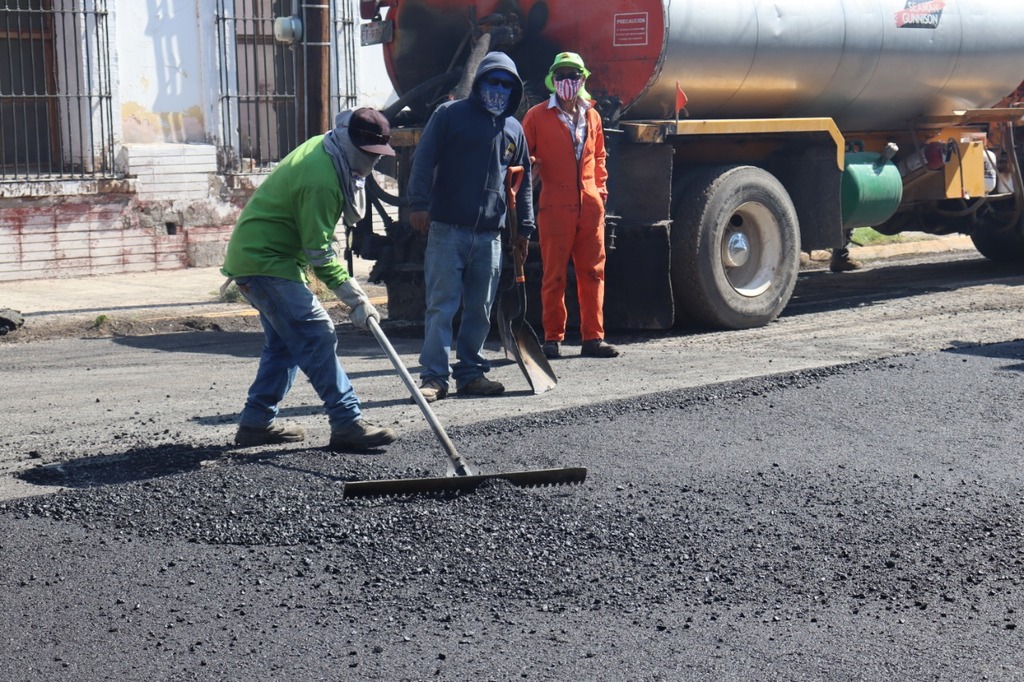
(290, 220)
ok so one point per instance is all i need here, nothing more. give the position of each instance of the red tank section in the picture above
(622, 45)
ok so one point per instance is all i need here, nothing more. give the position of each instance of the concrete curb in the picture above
(926, 244)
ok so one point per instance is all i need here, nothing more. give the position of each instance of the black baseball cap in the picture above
(370, 131)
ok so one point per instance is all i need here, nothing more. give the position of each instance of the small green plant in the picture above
(231, 294)
(100, 321)
(317, 287)
(865, 236)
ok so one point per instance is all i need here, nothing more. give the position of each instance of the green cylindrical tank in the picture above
(871, 191)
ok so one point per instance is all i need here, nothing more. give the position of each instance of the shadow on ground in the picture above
(1010, 350)
(137, 464)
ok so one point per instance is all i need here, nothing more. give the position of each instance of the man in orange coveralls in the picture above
(566, 142)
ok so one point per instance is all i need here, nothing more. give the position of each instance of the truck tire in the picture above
(735, 248)
(1000, 243)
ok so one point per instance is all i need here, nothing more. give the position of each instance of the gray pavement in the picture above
(651, 363)
(194, 291)
(141, 295)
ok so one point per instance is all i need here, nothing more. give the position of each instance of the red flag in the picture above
(681, 99)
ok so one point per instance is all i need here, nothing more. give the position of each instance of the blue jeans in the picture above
(459, 266)
(297, 334)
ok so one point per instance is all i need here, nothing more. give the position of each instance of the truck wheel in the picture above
(735, 248)
(1000, 243)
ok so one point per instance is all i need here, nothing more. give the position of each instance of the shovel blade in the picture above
(531, 359)
(460, 484)
(519, 339)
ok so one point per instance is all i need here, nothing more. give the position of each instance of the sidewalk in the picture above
(143, 295)
(195, 291)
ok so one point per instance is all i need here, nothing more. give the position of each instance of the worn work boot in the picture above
(275, 434)
(551, 350)
(360, 435)
(597, 348)
(482, 386)
(433, 390)
(841, 262)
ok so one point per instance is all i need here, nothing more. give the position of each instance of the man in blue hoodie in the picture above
(457, 198)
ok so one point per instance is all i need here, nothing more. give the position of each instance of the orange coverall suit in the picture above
(570, 217)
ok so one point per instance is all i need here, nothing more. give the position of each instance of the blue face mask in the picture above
(495, 93)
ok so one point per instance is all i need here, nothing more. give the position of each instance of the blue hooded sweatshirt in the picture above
(458, 170)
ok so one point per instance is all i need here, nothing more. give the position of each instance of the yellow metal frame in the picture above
(966, 177)
(657, 131)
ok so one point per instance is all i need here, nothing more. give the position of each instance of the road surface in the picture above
(834, 496)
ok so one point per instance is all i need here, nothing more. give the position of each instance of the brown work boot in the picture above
(843, 263)
(551, 350)
(482, 386)
(433, 390)
(597, 348)
(275, 434)
(359, 436)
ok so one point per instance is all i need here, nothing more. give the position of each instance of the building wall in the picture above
(171, 209)
(165, 56)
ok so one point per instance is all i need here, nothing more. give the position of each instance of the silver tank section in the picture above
(868, 64)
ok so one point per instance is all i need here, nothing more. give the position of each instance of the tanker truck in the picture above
(740, 133)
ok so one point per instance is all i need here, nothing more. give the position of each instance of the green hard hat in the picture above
(568, 59)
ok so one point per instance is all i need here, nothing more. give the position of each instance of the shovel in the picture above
(517, 336)
(462, 476)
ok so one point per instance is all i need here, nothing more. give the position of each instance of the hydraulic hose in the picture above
(476, 55)
(438, 82)
(1018, 185)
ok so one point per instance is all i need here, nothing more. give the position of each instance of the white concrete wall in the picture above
(168, 72)
(375, 89)
(163, 64)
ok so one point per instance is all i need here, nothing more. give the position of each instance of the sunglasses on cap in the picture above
(498, 82)
(574, 76)
(366, 137)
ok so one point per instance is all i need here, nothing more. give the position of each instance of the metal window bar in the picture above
(343, 64)
(263, 99)
(259, 101)
(56, 104)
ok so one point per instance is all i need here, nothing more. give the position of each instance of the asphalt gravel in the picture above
(862, 521)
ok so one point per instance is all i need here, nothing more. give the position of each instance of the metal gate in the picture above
(276, 92)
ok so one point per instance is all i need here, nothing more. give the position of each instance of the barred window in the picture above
(267, 88)
(55, 90)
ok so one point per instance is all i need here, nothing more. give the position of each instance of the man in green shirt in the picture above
(287, 225)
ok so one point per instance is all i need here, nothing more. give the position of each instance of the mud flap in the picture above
(638, 283)
(637, 271)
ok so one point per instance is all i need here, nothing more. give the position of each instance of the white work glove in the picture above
(359, 307)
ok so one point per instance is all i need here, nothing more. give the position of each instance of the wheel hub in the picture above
(737, 250)
(751, 249)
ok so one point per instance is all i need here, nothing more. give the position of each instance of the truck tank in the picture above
(867, 64)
